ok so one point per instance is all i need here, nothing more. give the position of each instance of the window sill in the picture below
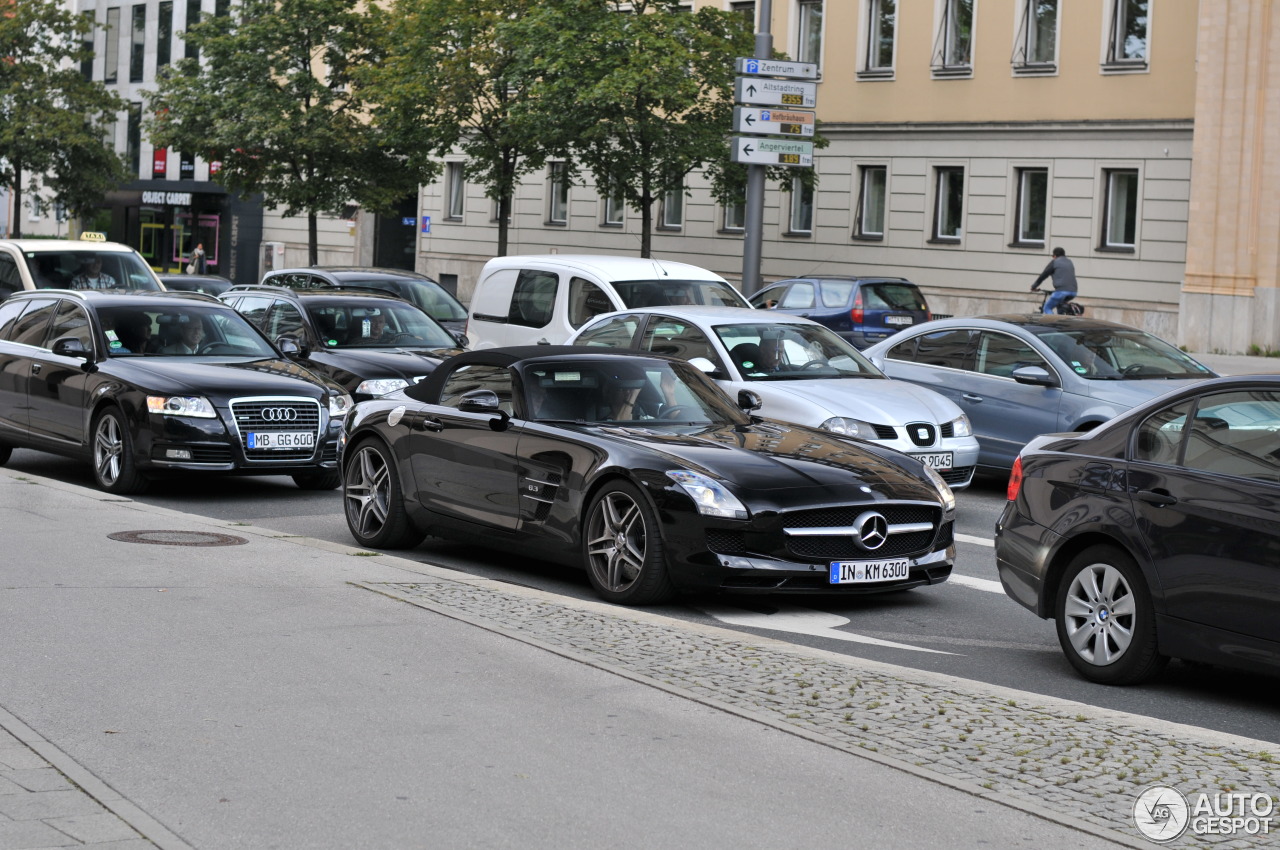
(452, 218)
(1124, 67)
(955, 72)
(731, 231)
(1117, 249)
(1037, 70)
(876, 74)
(614, 224)
(1039, 246)
(943, 240)
(798, 234)
(669, 228)
(555, 224)
(867, 237)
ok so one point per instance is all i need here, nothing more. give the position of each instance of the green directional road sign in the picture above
(771, 152)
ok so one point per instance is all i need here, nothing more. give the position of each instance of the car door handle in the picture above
(429, 424)
(35, 368)
(543, 341)
(1159, 498)
(804, 315)
(971, 397)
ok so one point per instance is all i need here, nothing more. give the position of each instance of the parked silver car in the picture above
(1020, 376)
(804, 373)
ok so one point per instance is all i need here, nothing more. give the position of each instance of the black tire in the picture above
(1106, 623)
(5, 453)
(114, 468)
(318, 480)
(372, 500)
(622, 548)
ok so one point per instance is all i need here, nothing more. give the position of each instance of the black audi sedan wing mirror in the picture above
(69, 346)
(292, 347)
(749, 400)
(1036, 376)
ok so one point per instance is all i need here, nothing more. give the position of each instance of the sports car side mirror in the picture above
(1036, 376)
(749, 400)
(485, 401)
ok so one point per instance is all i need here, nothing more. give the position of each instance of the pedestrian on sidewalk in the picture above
(1063, 272)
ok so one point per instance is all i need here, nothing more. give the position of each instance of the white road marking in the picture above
(804, 621)
(980, 541)
(977, 583)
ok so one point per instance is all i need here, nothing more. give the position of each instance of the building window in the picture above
(35, 208)
(86, 44)
(133, 142)
(673, 209)
(801, 207)
(735, 215)
(1127, 45)
(164, 35)
(809, 32)
(221, 8)
(1035, 50)
(456, 185)
(138, 45)
(869, 221)
(1120, 209)
(190, 51)
(558, 185)
(953, 45)
(882, 22)
(615, 207)
(948, 203)
(111, 57)
(747, 9)
(1033, 206)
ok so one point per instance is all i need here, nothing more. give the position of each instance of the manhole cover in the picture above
(178, 538)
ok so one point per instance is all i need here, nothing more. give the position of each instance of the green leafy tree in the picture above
(52, 120)
(641, 92)
(275, 97)
(453, 79)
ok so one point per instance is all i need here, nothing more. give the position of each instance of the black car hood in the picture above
(220, 378)
(782, 457)
(407, 362)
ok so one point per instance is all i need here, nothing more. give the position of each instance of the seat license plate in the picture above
(862, 572)
(281, 440)
(899, 320)
(935, 460)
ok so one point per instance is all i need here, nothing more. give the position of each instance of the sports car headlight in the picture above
(381, 386)
(849, 427)
(339, 405)
(944, 489)
(710, 496)
(960, 427)
(179, 405)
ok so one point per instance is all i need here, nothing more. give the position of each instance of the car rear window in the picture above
(893, 296)
(835, 293)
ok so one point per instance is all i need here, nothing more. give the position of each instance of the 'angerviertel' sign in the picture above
(771, 152)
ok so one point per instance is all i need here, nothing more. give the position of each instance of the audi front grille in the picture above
(277, 416)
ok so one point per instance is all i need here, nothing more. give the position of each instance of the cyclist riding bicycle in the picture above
(1063, 272)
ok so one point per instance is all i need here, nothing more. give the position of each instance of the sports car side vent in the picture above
(539, 490)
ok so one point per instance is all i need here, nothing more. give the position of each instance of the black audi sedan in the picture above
(638, 468)
(368, 342)
(1156, 535)
(146, 384)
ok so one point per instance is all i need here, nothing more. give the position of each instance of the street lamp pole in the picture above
(753, 223)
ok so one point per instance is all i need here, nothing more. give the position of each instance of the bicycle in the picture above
(1067, 307)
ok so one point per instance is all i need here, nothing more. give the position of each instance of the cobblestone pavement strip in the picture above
(1071, 763)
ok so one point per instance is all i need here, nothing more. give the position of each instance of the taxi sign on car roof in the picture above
(93, 236)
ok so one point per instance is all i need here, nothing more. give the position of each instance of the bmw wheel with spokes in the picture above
(623, 548)
(373, 501)
(1105, 619)
(113, 464)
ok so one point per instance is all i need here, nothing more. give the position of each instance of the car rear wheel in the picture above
(623, 548)
(318, 480)
(373, 501)
(113, 463)
(1106, 623)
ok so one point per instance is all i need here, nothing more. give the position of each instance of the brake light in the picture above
(928, 315)
(1015, 480)
(856, 313)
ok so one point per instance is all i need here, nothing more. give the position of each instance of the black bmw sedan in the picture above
(1156, 535)
(641, 470)
(148, 384)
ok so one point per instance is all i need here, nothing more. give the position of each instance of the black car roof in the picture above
(403, 274)
(428, 389)
(284, 291)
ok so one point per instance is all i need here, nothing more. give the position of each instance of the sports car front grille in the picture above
(835, 547)
(726, 542)
(843, 545)
(276, 416)
(845, 516)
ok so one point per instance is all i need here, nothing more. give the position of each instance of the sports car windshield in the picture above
(370, 323)
(179, 330)
(771, 351)
(667, 293)
(1106, 354)
(615, 392)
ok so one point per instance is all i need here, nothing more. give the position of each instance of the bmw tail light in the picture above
(857, 313)
(1015, 480)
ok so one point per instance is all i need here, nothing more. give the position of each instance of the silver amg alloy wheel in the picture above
(623, 548)
(372, 500)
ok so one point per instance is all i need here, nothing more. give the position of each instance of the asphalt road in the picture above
(966, 627)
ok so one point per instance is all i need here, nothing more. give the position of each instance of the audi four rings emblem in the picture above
(279, 414)
(871, 530)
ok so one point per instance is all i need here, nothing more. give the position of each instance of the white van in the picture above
(544, 299)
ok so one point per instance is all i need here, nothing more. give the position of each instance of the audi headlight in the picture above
(849, 427)
(943, 488)
(381, 386)
(179, 405)
(339, 405)
(709, 495)
(960, 427)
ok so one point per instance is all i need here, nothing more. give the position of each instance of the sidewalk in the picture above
(276, 691)
(1240, 364)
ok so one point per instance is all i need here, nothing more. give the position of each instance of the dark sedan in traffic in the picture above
(638, 468)
(147, 384)
(1156, 535)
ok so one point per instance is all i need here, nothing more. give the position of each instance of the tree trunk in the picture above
(646, 221)
(504, 217)
(313, 240)
(17, 200)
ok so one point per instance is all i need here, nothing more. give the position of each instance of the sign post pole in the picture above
(753, 223)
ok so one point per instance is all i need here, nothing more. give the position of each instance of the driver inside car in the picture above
(190, 339)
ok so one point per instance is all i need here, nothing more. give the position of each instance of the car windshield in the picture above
(668, 293)
(770, 351)
(430, 296)
(620, 392)
(1121, 354)
(76, 268)
(375, 323)
(179, 330)
(893, 296)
